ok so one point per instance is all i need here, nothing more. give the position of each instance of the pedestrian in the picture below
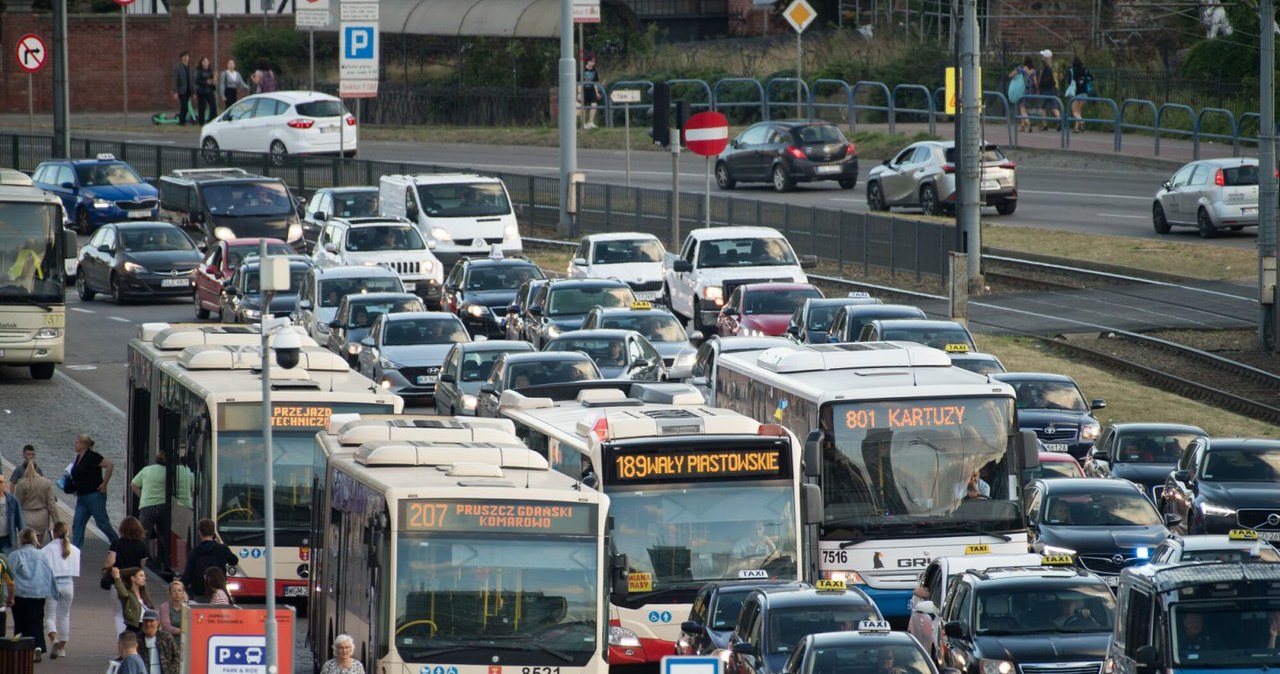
(1048, 86)
(230, 83)
(38, 500)
(182, 86)
(130, 661)
(264, 79)
(1027, 74)
(206, 94)
(209, 552)
(90, 474)
(131, 590)
(1080, 83)
(343, 662)
(158, 648)
(171, 611)
(28, 454)
(32, 583)
(126, 552)
(11, 521)
(64, 559)
(215, 583)
(590, 92)
(148, 485)
(6, 591)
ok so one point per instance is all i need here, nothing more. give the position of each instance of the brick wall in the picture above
(94, 58)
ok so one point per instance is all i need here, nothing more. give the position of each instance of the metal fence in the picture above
(853, 242)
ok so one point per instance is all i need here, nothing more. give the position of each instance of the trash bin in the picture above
(18, 655)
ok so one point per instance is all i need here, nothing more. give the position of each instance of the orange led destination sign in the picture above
(504, 517)
(663, 464)
(300, 416)
(893, 416)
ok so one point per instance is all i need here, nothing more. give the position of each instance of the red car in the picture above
(762, 309)
(1059, 464)
(220, 263)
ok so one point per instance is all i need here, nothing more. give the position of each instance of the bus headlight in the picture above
(623, 637)
(48, 333)
(511, 232)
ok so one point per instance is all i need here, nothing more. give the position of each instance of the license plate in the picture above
(328, 129)
(829, 168)
(1111, 581)
(1248, 210)
(139, 214)
(426, 379)
(1054, 447)
(175, 283)
(409, 286)
(295, 591)
(990, 185)
(1262, 535)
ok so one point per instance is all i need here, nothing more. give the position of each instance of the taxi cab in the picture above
(871, 649)
(935, 581)
(714, 614)
(772, 622)
(1239, 545)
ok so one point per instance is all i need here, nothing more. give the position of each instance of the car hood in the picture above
(490, 298)
(417, 354)
(770, 324)
(165, 259)
(1148, 474)
(279, 303)
(1103, 539)
(121, 192)
(568, 321)
(630, 272)
(672, 349)
(255, 226)
(1035, 419)
(1241, 494)
(1085, 647)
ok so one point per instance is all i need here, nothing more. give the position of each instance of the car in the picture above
(241, 299)
(702, 375)
(517, 371)
(323, 289)
(762, 309)
(562, 304)
(870, 642)
(461, 213)
(714, 614)
(466, 368)
(848, 321)
(786, 152)
(620, 354)
(388, 242)
(923, 175)
(1105, 525)
(218, 265)
(97, 191)
(1053, 406)
(1238, 545)
(663, 330)
(1055, 465)
(357, 312)
(1222, 484)
(773, 621)
(812, 319)
(335, 202)
(282, 123)
(216, 204)
(518, 316)
(633, 257)
(1210, 195)
(973, 361)
(130, 260)
(404, 352)
(949, 336)
(479, 289)
(1032, 620)
(1142, 453)
(935, 582)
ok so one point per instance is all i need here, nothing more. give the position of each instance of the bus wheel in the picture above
(42, 371)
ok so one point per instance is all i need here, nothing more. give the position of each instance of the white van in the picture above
(461, 213)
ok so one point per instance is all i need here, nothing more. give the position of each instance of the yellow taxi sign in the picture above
(956, 348)
(1242, 535)
(978, 549)
(873, 626)
(641, 305)
(829, 586)
(1056, 560)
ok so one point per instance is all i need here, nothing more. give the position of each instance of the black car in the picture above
(336, 202)
(562, 304)
(357, 312)
(1222, 484)
(1031, 619)
(1106, 525)
(241, 300)
(786, 152)
(1053, 406)
(714, 613)
(1141, 453)
(848, 321)
(773, 621)
(479, 290)
(137, 259)
(522, 370)
(810, 322)
(871, 644)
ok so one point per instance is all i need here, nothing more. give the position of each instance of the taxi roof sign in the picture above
(829, 586)
(977, 549)
(641, 305)
(858, 293)
(495, 252)
(1242, 535)
(873, 626)
(957, 348)
(1056, 560)
(106, 156)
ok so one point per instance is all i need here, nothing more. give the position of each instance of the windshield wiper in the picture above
(27, 300)
(441, 651)
(528, 643)
(963, 528)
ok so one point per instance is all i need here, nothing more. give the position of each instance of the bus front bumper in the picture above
(32, 352)
(649, 651)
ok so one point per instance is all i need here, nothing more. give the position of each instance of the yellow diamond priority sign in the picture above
(800, 14)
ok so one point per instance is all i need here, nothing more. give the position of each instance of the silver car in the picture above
(924, 176)
(1209, 195)
(404, 352)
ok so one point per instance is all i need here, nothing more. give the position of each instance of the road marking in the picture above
(83, 311)
(121, 319)
(1085, 194)
(85, 390)
(1119, 215)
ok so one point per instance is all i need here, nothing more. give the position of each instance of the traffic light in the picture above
(683, 113)
(659, 128)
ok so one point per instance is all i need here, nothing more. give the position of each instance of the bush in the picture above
(284, 48)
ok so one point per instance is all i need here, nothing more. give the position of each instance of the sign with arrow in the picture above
(31, 53)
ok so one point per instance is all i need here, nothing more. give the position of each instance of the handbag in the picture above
(1071, 89)
(1017, 87)
(65, 483)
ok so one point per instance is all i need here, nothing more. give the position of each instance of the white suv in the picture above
(388, 242)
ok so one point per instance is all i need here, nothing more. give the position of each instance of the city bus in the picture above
(897, 434)
(446, 545)
(208, 426)
(697, 494)
(33, 277)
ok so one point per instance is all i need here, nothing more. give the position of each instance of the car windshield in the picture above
(118, 173)
(752, 252)
(424, 331)
(1226, 632)
(820, 317)
(1242, 465)
(384, 237)
(1152, 447)
(728, 606)
(355, 204)
(537, 373)
(787, 626)
(570, 301)
(504, 277)
(296, 277)
(655, 328)
(775, 302)
(855, 656)
(1234, 555)
(364, 312)
(248, 199)
(1049, 395)
(478, 365)
(820, 134)
(1029, 609)
(938, 338)
(1055, 469)
(979, 365)
(605, 352)
(157, 239)
(333, 290)
(322, 108)
(464, 200)
(622, 252)
(1101, 510)
(1240, 176)
(237, 253)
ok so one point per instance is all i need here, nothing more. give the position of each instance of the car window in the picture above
(384, 238)
(789, 625)
(745, 252)
(655, 328)
(923, 154)
(322, 108)
(1151, 447)
(424, 331)
(65, 175)
(100, 175)
(241, 110)
(1182, 176)
(1080, 608)
(506, 277)
(1240, 176)
(755, 135)
(904, 156)
(478, 365)
(820, 134)
(625, 252)
(156, 239)
(1241, 465)
(1049, 395)
(464, 200)
(570, 301)
(1200, 176)
(270, 107)
(355, 205)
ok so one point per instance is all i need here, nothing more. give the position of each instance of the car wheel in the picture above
(847, 183)
(82, 288)
(201, 312)
(875, 197)
(278, 153)
(83, 224)
(929, 200)
(117, 290)
(1205, 225)
(723, 180)
(781, 181)
(1158, 219)
(1006, 206)
(209, 150)
(42, 371)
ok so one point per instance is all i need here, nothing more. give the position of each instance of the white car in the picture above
(282, 123)
(1210, 195)
(631, 257)
(388, 242)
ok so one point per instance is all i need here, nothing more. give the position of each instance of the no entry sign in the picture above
(31, 53)
(706, 133)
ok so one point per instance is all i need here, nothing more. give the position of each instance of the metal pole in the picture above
(968, 209)
(675, 196)
(626, 117)
(311, 52)
(124, 60)
(799, 58)
(1267, 176)
(567, 116)
(268, 490)
(31, 106)
(706, 206)
(216, 65)
(61, 92)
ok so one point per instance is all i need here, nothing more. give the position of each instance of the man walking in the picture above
(183, 86)
(209, 552)
(90, 474)
(28, 454)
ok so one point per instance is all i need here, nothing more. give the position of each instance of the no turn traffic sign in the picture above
(31, 53)
(706, 133)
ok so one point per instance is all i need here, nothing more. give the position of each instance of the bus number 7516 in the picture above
(835, 557)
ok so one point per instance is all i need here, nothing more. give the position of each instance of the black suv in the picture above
(715, 610)
(229, 203)
(1032, 620)
(479, 290)
(1222, 484)
(786, 152)
(562, 304)
(772, 621)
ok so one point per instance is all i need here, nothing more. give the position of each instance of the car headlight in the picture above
(353, 348)
(511, 232)
(468, 401)
(986, 666)
(101, 203)
(295, 233)
(252, 314)
(477, 310)
(714, 294)
(322, 328)
(441, 234)
(223, 233)
(48, 333)
(1055, 550)
(552, 332)
(1089, 431)
(133, 267)
(388, 364)
(685, 359)
(621, 636)
(849, 577)
(1213, 510)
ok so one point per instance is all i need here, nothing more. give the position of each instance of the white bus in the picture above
(697, 494)
(897, 434)
(206, 409)
(446, 545)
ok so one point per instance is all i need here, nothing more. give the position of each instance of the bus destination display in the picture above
(288, 416)
(548, 517)
(912, 415)
(667, 463)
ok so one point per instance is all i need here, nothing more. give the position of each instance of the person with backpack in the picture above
(1023, 82)
(208, 553)
(1048, 87)
(1080, 84)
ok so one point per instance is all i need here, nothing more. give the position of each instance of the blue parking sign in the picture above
(358, 42)
(358, 50)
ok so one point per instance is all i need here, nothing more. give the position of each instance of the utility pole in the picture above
(567, 114)
(1267, 336)
(967, 207)
(61, 104)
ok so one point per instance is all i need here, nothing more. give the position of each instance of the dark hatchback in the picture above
(1053, 406)
(479, 290)
(848, 321)
(714, 614)
(810, 322)
(772, 622)
(1222, 484)
(1143, 454)
(137, 259)
(786, 152)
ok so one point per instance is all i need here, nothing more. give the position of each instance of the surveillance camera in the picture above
(288, 348)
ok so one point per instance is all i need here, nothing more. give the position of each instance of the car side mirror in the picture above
(885, 162)
(1097, 404)
(927, 607)
(735, 144)
(448, 378)
(104, 248)
(330, 248)
(488, 388)
(535, 310)
(954, 629)
(619, 587)
(1182, 475)
(1167, 185)
(320, 215)
(1146, 655)
(68, 186)
(367, 341)
(681, 266)
(335, 325)
(744, 648)
(1172, 519)
(697, 381)
(696, 337)
(578, 262)
(729, 311)
(692, 627)
(808, 261)
(411, 213)
(197, 218)
(793, 330)
(305, 305)
(211, 270)
(1102, 456)
(231, 291)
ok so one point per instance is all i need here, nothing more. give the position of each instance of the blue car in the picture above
(98, 191)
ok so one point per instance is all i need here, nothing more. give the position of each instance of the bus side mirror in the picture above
(70, 247)
(1030, 450)
(811, 503)
(618, 571)
(813, 454)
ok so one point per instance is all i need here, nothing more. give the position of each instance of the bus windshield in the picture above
(31, 268)
(530, 599)
(1235, 632)
(897, 466)
(240, 470)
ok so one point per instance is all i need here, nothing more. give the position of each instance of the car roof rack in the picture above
(182, 173)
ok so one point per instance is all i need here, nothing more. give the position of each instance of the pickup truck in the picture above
(714, 261)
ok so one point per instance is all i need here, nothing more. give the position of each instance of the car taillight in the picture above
(1009, 165)
(851, 151)
(948, 168)
(796, 152)
(351, 121)
(301, 123)
(1218, 179)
